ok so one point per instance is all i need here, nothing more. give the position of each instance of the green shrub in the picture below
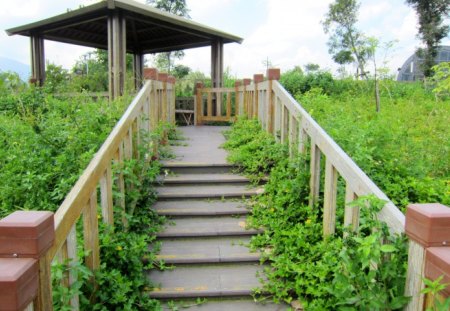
(351, 273)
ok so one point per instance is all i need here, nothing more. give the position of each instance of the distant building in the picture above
(411, 71)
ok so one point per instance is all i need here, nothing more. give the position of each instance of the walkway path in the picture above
(207, 236)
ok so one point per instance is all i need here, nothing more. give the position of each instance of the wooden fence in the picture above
(155, 102)
(281, 115)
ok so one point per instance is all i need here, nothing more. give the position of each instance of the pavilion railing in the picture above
(281, 115)
(155, 102)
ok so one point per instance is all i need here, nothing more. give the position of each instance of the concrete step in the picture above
(189, 179)
(181, 167)
(206, 192)
(200, 208)
(207, 250)
(219, 280)
(226, 304)
(206, 227)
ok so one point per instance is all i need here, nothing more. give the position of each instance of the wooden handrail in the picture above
(155, 102)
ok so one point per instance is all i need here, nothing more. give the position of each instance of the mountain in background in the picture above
(7, 64)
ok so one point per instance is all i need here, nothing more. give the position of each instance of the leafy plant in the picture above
(433, 289)
(367, 266)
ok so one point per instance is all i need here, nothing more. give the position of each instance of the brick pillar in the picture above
(150, 74)
(428, 228)
(25, 239)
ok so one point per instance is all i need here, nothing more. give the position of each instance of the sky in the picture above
(288, 33)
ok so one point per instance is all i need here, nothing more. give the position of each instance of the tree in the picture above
(311, 67)
(431, 15)
(164, 61)
(346, 43)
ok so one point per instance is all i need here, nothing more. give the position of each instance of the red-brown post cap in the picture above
(150, 73)
(18, 282)
(273, 74)
(258, 78)
(26, 234)
(437, 264)
(428, 224)
(247, 81)
(171, 79)
(163, 77)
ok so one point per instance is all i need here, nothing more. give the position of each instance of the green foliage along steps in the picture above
(355, 272)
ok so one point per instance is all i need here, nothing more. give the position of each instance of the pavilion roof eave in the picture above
(150, 26)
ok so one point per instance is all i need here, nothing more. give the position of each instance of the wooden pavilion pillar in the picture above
(217, 63)
(138, 69)
(117, 52)
(37, 60)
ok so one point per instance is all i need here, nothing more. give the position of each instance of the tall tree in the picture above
(165, 61)
(346, 43)
(432, 14)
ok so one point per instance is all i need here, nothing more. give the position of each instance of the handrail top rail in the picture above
(360, 183)
(65, 216)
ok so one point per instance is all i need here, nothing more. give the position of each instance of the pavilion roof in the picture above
(148, 30)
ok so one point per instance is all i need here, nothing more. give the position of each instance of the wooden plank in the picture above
(218, 104)
(218, 90)
(209, 105)
(256, 100)
(73, 261)
(415, 273)
(228, 105)
(293, 131)
(351, 216)
(270, 106)
(285, 125)
(314, 182)
(90, 232)
(164, 103)
(128, 145)
(329, 201)
(44, 301)
(136, 136)
(218, 119)
(106, 197)
(121, 183)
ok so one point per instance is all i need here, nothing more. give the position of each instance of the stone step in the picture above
(207, 250)
(187, 179)
(206, 227)
(219, 280)
(226, 304)
(180, 167)
(206, 192)
(200, 208)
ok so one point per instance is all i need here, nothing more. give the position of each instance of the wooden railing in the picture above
(281, 115)
(155, 102)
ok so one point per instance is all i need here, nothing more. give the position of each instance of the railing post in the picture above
(152, 74)
(198, 105)
(272, 74)
(172, 80)
(25, 267)
(246, 83)
(257, 78)
(237, 105)
(428, 228)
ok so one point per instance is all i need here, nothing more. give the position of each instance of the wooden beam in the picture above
(116, 54)
(37, 60)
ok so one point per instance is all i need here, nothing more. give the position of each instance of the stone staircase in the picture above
(206, 237)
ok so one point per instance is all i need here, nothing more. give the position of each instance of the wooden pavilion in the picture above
(121, 27)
